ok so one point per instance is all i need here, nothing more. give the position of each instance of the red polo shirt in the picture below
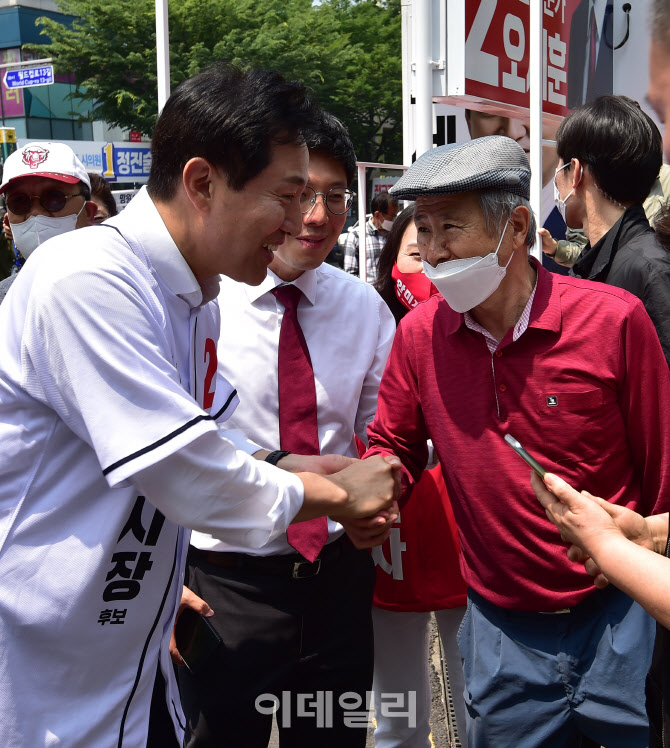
(586, 389)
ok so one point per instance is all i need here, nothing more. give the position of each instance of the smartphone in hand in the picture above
(516, 446)
(196, 639)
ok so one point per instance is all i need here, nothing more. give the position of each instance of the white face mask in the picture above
(466, 283)
(386, 224)
(560, 204)
(37, 229)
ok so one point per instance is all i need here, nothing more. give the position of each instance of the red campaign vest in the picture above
(418, 566)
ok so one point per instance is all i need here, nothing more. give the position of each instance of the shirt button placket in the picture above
(498, 388)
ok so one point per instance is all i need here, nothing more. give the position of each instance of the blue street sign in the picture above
(40, 76)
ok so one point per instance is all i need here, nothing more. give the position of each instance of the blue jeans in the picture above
(546, 679)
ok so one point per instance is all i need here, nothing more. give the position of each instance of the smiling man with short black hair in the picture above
(112, 411)
(294, 616)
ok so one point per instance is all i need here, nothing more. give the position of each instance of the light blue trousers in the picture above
(543, 680)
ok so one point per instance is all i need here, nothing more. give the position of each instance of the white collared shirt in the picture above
(349, 331)
(109, 400)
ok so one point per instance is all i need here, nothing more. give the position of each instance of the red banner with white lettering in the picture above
(576, 39)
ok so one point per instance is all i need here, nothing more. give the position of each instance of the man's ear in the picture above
(577, 173)
(519, 221)
(197, 178)
(90, 209)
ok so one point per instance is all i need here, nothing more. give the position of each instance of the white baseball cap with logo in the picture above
(50, 160)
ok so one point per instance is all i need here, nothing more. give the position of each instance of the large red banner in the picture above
(577, 45)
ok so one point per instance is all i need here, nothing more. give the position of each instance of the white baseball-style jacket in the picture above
(109, 408)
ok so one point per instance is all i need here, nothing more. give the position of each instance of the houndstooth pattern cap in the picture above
(494, 162)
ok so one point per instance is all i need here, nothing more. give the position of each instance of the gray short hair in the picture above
(497, 207)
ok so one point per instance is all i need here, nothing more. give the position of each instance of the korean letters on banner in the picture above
(126, 162)
(497, 51)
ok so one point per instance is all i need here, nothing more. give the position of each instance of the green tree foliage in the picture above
(347, 51)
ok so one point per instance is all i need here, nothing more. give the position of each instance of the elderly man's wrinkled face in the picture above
(451, 227)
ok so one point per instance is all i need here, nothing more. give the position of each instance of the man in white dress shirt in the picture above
(109, 413)
(296, 634)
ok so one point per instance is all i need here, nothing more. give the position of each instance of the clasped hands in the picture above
(373, 484)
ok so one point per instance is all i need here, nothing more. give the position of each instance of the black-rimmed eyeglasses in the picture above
(338, 199)
(52, 201)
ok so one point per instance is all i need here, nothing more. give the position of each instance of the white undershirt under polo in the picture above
(110, 392)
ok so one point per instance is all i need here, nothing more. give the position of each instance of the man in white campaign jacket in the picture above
(110, 404)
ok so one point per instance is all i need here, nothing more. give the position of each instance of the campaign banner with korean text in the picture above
(382, 184)
(578, 41)
(116, 162)
(123, 197)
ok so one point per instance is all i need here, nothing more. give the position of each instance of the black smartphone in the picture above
(516, 446)
(196, 638)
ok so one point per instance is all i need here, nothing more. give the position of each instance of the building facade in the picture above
(37, 112)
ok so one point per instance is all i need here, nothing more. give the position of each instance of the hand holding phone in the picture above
(516, 446)
(196, 638)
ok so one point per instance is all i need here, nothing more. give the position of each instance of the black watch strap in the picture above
(274, 457)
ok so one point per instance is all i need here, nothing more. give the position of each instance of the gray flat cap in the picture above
(494, 161)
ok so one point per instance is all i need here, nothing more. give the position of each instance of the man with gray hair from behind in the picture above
(575, 371)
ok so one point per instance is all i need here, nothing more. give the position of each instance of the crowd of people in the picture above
(336, 444)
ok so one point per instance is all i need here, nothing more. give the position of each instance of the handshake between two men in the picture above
(362, 495)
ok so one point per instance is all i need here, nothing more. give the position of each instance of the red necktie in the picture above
(298, 429)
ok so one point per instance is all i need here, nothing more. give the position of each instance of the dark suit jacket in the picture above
(578, 56)
(555, 225)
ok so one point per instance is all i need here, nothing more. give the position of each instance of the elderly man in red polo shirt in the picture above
(574, 370)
